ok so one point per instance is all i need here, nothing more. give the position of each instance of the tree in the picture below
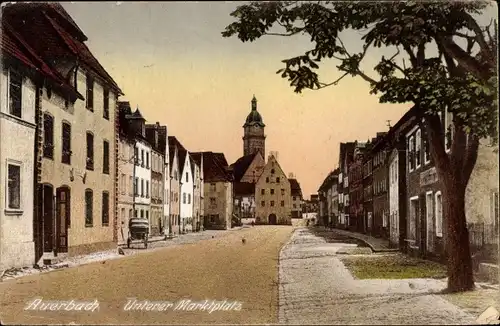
(459, 78)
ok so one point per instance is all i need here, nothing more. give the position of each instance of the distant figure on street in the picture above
(253, 223)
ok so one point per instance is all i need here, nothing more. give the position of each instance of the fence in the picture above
(481, 234)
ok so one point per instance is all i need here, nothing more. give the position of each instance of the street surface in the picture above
(316, 288)
(214, 269)
(304, 283)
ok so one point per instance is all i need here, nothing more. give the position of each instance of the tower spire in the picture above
(254, 103)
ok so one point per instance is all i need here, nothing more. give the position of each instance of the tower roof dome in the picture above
(254, 117)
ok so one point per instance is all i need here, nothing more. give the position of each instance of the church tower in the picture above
(254, 139)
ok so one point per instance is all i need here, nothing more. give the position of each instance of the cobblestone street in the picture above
(316, 288)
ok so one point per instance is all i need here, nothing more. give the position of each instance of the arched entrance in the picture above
(272, 219)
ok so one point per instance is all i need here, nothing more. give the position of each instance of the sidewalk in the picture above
(376, 244)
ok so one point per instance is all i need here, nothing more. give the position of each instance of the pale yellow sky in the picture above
(200, 84)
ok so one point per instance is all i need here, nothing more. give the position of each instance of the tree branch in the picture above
(435, 136)
(413, 58)
(323, 85)
(473, 25)
(458, 148)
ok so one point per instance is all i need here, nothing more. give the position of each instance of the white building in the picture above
(166, 183)
(186, 187)
(142, 171)
(17, 138)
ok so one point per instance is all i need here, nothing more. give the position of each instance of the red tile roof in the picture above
(241, 166)
(295, 187)
(181, 152)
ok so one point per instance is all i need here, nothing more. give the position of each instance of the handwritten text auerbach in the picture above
(62, 305)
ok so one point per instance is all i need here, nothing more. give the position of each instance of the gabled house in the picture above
(142, 169)
(186, 186)
(246, 171)
(126, 166)
(273, 195)
(218, 191)
(199, 193)
(355, 177)
(164, 148)
(328, 212)
(368, 189)
(297, 198)
(157, 178)
(345, 158)
(175, 188)
(379, 152)
(70, 176)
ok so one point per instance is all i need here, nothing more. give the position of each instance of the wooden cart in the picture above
(138, 229)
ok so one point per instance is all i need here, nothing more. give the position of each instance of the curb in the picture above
(375, 250)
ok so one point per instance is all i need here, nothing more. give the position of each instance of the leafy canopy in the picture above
(467, 89)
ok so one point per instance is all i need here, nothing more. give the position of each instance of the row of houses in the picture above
(388, 187)
(78, 163)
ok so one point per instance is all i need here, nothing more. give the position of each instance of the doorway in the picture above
(272, 219)
(63, 218)
(47, 217)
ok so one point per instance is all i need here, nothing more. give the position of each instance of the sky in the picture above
(170, 60)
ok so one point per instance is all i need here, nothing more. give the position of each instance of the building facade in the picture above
(70, 176)
(218, 189)
(368, 191)
(297, 198)
(175, 188)
(126, 165)
(380, 180)
(157, 178)
(273, 195)
(18, 107)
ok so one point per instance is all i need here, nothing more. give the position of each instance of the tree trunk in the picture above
(460, 276)
(454, 172)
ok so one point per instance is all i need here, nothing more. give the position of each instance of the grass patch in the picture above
(395, 266)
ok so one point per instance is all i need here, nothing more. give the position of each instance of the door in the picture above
(63, 210)
(272, 219)
(48, 218)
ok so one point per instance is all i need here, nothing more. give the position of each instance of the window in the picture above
(147, 189)
(183, 197)
(283, 203)
(105, 157)
(418, 148)
(131, 186)
(427, 151)
(267, 179)
(66, 143)
(136, 156)
(277, 180)
(272, 203)
(189, 198)
(263, 203)
(213, 202)
(48, 136)
(14, 186)
(147, 160)
(90, 151)
(187, 177)
(411, 153)
(438, 200)
(282, 192)
(90, 93)
(15, 93)
(213, 187)
(263, 191)
(142, 157)
(142, 187)
(105, 208)
(272, 171)
(294, 198)
(272, 191)
(384, 219)
(142, 213)
(294, 206)
(89, 197)
(130, 213)
(147, 214)
(105, 113)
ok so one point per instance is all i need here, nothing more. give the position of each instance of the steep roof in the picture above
(241, 166)
(181, 151)
(41, 26)
(329, 180)
(215, 166)
(244, 188)
(295, 187)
